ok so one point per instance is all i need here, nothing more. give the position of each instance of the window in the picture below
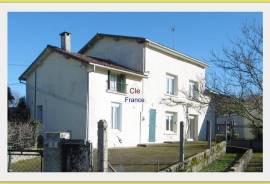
(171, 83)
(171, 125)
(116, 116)
(193, 90)
(116, 82)
(39, 113)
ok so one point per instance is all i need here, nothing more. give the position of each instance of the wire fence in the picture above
(25, 160)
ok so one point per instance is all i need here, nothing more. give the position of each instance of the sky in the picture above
(196, 34)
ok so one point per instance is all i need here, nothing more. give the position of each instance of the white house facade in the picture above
(141, 88)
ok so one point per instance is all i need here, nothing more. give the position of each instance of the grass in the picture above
(136, 159)
(150, 158)
(256, 163)
(222, 164)
(29, 165)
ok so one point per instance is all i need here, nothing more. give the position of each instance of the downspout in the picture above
(87, 106)
(88, 71)
(141, 114)
(35, 96)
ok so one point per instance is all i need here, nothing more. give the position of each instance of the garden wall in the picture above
(241, 164)
(200, 160)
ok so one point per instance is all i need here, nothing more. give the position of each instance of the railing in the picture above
(120, 87)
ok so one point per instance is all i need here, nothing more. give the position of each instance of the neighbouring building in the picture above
(131, 82)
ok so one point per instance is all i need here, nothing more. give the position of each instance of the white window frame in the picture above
(170, 120)
(171, 84)
(116, 116)
(193, 85)
(113, 82)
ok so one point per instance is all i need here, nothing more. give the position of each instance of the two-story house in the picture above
(128, 81)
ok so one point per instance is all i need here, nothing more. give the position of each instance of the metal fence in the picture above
(25, 160)
(238, 132)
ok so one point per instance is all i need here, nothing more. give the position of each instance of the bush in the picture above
(22, 135)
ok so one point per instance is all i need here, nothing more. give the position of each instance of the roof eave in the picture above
(175, 53)
(36, 62)
(119, 70)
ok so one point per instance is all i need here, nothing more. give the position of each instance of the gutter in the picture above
(119, 70)
(174, 53)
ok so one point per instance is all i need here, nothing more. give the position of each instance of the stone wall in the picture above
(200, 160)
(241, 164)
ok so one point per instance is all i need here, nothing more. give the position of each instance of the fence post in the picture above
(9, 161)
(209, 131)
(102, 146)
(226, 131)
(231, 130)
(181, 142)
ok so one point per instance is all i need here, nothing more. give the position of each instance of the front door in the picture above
(192, 129)
(152, 125)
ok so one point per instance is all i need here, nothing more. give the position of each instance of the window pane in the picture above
(171, 124)
(167, 123)
(116, 116)
(168, 84)
(173, 86)
(113, 82)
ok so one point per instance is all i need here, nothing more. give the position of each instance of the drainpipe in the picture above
(87, 107)
(88, 72)
(35, 95)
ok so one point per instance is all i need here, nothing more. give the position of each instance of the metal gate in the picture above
(25, 160)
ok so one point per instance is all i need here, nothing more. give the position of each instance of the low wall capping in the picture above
(241, 164)
(200, 160)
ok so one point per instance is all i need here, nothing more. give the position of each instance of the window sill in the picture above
(116, 92)
(116, 130)
(175, 96)
(170, 133)
(193, 98)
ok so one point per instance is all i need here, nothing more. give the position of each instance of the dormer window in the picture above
(116, 82)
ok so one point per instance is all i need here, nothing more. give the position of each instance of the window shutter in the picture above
(174, 126)
(196, 90)
(109, 79)
(121, 82)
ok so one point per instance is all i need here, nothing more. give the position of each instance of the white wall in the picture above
(123, 51)
(158, 65)
(100, 108)
(61, 90)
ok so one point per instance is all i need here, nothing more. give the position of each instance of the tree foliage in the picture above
(10, 96)
(239, 81)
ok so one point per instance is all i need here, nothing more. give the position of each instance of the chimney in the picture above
(65, 41)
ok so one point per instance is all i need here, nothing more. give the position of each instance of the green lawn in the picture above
(29, 165)
(150, 158)
(256, 163)
(222, 164)
(137, 159)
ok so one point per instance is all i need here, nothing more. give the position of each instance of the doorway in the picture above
(192, 128)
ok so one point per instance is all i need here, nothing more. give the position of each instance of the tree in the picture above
(22, 135)
(238, 82)
(21, 103)
(10, 96)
